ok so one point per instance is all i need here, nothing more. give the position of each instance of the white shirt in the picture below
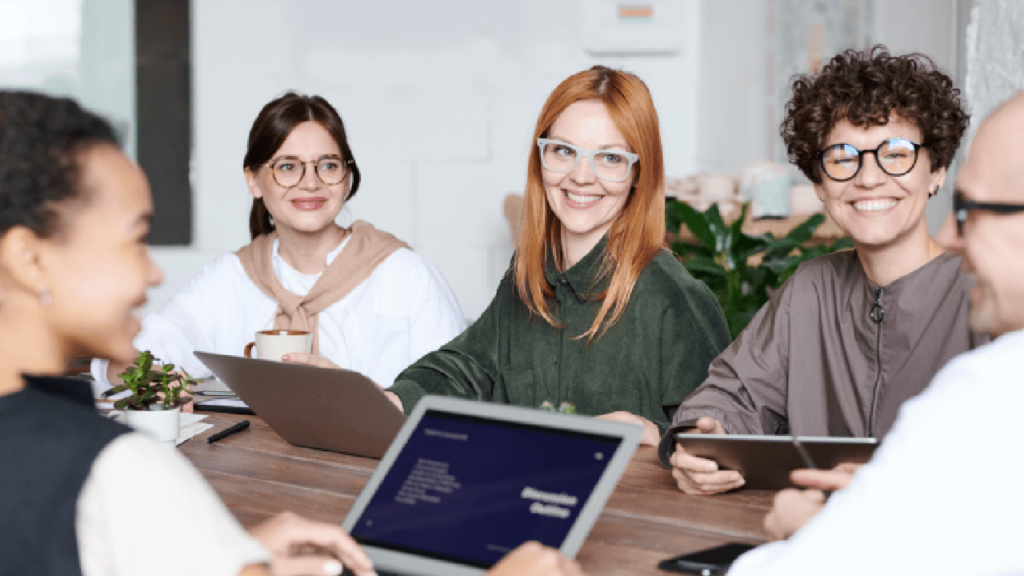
(404, 310)
(174, 526)
(944, 494)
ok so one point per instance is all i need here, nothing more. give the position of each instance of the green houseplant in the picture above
(151, 387)
(154, 406)
(722, 257)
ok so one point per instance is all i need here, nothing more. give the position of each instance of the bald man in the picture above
(945, 492)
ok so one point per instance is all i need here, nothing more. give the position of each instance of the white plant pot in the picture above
(159, 424)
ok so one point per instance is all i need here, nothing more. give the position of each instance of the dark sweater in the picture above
(50, 435)
(656, 354)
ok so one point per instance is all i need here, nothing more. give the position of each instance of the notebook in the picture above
(464, 483)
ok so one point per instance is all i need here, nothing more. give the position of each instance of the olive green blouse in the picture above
(653, 357)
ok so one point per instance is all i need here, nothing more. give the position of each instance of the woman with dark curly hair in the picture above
(853, 334)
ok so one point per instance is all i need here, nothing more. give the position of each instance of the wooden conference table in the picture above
(647, 519)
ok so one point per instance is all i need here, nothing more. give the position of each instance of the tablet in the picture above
(766, 461)
(464, 483)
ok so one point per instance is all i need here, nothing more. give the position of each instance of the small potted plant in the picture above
(154, 406)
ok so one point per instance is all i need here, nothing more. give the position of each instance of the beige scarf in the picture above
(367, 248)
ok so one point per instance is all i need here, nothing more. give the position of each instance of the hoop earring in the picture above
(45, 298)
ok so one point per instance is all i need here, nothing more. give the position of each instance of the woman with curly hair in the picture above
(851, 335)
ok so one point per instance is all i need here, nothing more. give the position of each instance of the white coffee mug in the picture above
(273, 344)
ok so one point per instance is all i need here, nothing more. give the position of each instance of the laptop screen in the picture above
(469, 490)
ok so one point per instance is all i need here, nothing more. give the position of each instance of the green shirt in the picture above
(653, 357)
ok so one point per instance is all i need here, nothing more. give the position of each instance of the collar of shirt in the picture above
(584, 279)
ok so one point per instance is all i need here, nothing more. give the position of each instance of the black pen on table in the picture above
(808, 461)
(228, 431)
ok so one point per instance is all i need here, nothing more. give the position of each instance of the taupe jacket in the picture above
(832, 355)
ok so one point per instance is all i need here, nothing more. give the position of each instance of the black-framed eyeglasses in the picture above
(288, 171)
(895, 156)
(962, 208)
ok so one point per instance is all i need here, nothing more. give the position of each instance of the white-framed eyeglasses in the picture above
(562, 157)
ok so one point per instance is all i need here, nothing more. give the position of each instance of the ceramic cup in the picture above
(273, 344)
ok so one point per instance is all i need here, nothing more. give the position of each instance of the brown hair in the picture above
(272, 127)
(866, 88)
(635, 236)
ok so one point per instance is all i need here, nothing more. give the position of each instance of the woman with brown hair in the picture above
(371, 304)
(83, 494)
(594, 316)
(854, 334)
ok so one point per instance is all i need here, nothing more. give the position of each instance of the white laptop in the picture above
(464, 483)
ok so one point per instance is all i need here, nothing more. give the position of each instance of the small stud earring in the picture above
(45, 298)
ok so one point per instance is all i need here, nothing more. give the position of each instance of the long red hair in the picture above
(636, 235)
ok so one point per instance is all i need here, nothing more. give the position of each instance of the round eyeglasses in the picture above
(895, 156)
(562, 157)
(288, 171)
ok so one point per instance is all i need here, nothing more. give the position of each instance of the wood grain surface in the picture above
(647, 519)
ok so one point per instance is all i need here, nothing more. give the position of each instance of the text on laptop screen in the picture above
(469, 490)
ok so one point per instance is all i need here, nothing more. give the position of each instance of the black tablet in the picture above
(766, 461)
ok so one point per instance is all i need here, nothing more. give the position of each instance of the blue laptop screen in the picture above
(469, 490)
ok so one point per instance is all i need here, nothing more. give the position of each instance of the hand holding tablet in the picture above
(761, 462)
(696, 475)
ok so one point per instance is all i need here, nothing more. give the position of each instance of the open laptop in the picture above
(330, 409)
(464, 483)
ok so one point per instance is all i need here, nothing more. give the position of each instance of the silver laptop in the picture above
(464, 483)
(330, 409)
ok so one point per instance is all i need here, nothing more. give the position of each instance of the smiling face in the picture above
(100, 267)
(585, 205)
(878, 210)
(311, 205)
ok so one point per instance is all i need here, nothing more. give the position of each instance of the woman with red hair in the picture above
(594, 316)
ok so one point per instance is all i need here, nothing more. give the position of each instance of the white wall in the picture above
(735, 125)
(440, 99)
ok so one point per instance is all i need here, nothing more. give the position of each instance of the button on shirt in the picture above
(656, 354)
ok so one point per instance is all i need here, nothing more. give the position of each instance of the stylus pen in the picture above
(228, 432)
(808, 461)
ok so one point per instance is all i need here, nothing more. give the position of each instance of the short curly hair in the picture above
(40, 141)
(866, 88)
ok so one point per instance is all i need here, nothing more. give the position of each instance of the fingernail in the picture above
(332, 568)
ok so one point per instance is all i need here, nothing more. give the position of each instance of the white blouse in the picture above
(176, 525)
(404, 310)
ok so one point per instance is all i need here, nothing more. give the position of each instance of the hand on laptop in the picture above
(298, 546)
(533, 559)
(309, 359)
(696, 475)
(651, 437)
(793, 508)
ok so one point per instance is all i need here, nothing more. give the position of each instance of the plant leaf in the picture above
(697, 224)
(704, 265)
(717, 227)
(683, 249)
(803, 231)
